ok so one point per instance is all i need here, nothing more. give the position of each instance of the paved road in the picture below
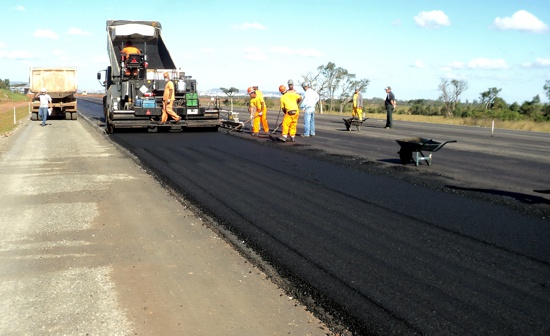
(90, 244)
(460, 247)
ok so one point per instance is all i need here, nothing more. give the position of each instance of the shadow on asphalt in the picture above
(524, 198)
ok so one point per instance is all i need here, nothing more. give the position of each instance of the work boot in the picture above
(292, 139)
(282, 138)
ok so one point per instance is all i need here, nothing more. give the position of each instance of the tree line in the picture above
(337, 85)
(4, 83)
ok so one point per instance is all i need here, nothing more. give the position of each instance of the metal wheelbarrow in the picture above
(413, 148)
(353, 122)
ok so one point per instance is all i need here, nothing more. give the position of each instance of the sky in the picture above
(410, 45)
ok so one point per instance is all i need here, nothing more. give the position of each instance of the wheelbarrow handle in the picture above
(443, 144)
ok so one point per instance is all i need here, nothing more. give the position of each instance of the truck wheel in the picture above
(34, 116)
(105, 107)
(74, 116)
(67, 115)
(110, 128)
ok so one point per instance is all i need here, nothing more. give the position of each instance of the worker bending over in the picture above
(258, 111)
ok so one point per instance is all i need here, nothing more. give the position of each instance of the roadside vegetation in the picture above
(8, 101)
(336, 86)
(532, 115)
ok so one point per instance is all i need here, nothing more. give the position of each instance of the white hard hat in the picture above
(43, 89)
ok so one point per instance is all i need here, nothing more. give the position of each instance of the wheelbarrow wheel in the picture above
(405, 156)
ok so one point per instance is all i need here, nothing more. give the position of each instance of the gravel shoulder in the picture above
(90, 243)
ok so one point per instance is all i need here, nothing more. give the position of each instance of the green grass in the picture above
(6, 118)
(7, 96)
(525, 125)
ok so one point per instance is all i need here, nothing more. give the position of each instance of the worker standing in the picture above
(308, 107)
(256, 108)
(357, 112)
(263, 117)
(168, 100)
(291, 86)
(45, 105)
(289, 105)
(390, 104)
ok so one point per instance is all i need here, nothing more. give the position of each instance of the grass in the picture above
(9, 100)
(7, 96)
(6, 117)
(524, 125)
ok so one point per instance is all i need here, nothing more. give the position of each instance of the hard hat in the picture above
(165, 74)
(290, 82)
(250, 90)
(43, 89)
(304, 84)
(282, 89)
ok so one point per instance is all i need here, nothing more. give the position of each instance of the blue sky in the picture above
(409, 45)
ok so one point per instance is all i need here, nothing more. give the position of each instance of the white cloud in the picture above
(246, 26)
(254, 54)
(16, 54)
(479, 63)
(432, 19)
(2, 45)
(539, 63)
(456, 65)
(20, 8)
(487, 63)
(521, 20)
(77, 31)
(45, 33)
(313, 53)
(419, 64)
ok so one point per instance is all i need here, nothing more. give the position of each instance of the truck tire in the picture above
(105, 107)
(74, 115)
(34, 116)
(109, 128)
(67, 115)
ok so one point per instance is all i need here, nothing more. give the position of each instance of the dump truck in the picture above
(61, 85)
(134, 83)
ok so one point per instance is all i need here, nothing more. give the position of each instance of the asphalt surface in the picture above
(91, 244)
(459, 247)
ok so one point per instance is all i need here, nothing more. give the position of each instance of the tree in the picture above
(4, 84)
(547, 89)
(326, 81)
(488, 97)
(331, 80)
(348, 86)
(450, 93)
(532, 108)
(230, 93)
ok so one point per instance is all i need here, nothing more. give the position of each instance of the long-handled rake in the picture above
(242, 125)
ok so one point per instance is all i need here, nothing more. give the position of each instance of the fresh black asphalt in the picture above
(377, 253)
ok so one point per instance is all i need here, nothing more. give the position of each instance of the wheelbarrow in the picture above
(353, 122)
(413, 148)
